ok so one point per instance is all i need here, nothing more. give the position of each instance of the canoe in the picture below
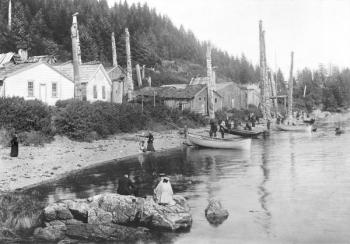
(205, 141)
(244, 133)
(309, 121)
(297, 128)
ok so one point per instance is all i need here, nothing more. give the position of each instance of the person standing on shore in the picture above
(14, 145)
(150, 146)
(213, 129)
(164, 192)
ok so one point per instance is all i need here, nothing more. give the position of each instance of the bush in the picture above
(34, 138)
(22, 115)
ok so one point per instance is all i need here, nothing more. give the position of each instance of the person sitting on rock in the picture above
(125, 186)
(164, 192)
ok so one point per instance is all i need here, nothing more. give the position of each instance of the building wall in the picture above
(200, 102)
(175, 103)
(42, 77)
(231, 94)
(99, 80)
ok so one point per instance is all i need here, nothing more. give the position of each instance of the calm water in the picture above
(290, 188)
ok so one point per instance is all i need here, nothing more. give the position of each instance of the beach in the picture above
(36, 164)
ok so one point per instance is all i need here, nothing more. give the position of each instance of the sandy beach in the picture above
(36, 164)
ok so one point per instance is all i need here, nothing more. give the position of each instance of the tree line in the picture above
(43, 27)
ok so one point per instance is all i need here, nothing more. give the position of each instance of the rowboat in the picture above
(309, 121)
(296, 128)
(205, 141)
(244, 133)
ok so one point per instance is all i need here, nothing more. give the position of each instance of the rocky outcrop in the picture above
(215, 213)
(109, 217)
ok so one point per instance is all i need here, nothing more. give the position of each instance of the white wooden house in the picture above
(94, 78)
(35, 81)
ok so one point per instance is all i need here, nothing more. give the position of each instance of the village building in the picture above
(35, 81)
(232, 94)
(118, 77)
(252, 94)
(96, 83)
(191, 97)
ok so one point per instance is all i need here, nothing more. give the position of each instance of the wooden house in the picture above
(191, 97)
(252, 95)
(97, 85)
(35, 81)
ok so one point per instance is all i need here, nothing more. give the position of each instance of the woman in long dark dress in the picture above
(150, 146)
(14, 146)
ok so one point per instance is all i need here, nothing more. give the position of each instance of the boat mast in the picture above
(290, 88)
(210, 84)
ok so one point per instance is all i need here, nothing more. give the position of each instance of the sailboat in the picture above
(292, 126)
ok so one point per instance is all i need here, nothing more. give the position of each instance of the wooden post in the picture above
(76, 64)
(142, 102)
(143, 71)
(290, 88)
(211, 109)
(114, 51)
(154, 98)
(129, 82)
(304, 91)
(149, 81)
(138, 74)
(9, 16)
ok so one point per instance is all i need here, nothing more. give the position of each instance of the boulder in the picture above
(215, 213)
(57, 211)
(79, 208)
(106, 232)
(99, 216)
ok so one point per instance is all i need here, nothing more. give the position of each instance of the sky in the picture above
(318, 31)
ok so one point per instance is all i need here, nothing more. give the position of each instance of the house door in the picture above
(43, 92)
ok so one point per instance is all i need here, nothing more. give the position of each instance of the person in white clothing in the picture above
(164, 192)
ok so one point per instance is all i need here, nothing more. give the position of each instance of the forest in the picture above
(43, 27)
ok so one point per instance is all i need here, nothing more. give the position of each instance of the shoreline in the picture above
(54, 160)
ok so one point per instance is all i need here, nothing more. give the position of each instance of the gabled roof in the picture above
(87, 71)
(10, 70)
(5, 58)
(199, 80)
(189, 92)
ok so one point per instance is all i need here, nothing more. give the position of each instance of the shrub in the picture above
(34, 138)
(22, 115)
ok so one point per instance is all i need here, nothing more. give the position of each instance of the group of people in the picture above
(223, 125)
(163, 192)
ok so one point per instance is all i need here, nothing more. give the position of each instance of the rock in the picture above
(106, 232)
(57, 211)
(78, 208)
(99, 216)
(167, 217)
(123, 208)
(215, 213)
(50, 233)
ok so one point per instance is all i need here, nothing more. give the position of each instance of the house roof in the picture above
(199, 80)
(178, 86)
(5, 58)
(223, 85)
(13, 69)
(87, 71)
(169, 92)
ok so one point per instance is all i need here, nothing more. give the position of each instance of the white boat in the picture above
(297, 128)
(205, 141)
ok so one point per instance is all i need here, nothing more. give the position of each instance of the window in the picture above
(54, 89)
(103, 92)
(180, 106)
(30, 89)
(95, 92)
(216, 100)
(199, 98)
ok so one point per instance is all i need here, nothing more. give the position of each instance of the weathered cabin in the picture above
(252, 94)
(191, 97)
(97, 86)
(35, 81)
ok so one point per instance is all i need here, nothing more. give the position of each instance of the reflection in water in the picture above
(262, 189)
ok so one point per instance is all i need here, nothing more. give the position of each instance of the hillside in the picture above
(43, 27)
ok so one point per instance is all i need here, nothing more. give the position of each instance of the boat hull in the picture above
(296, 128)
(245, 133)
(204, 141)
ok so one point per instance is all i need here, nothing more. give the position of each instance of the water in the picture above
(290, 188)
